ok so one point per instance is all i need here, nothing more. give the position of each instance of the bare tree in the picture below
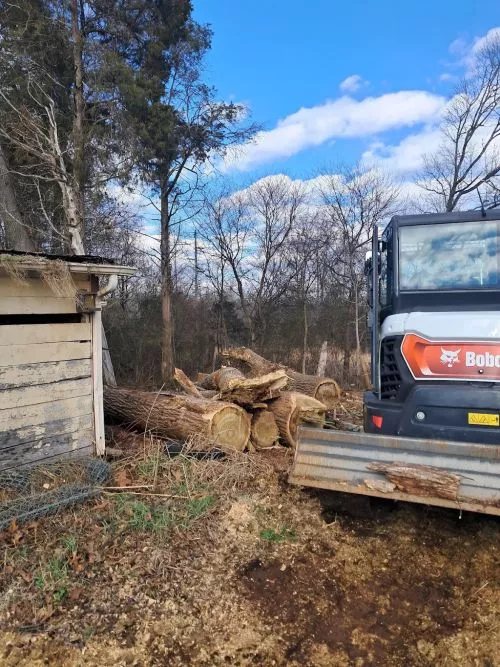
(248, 231)
(35, 132)
(354, 201)
(468, 158)
(304, 250)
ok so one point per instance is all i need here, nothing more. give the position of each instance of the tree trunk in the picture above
(249, 359)
(235, 387)
(304, 337)
(16, 235)
(323, 358)
(325, 390)
(77, 18)
(180, 417)
(167, 339)
(290, 409)
(264, 431)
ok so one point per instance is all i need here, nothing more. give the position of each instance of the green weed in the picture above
(273, 536)
(196, 507)
(142, 517)
(70, 543)
(53, 577)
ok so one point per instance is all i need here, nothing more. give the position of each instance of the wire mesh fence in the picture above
(32, 493)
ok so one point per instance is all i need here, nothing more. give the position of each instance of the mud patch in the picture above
(366, 621)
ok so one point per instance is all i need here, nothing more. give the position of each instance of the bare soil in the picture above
(221, 562)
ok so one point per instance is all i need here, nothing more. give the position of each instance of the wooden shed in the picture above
(51, 356)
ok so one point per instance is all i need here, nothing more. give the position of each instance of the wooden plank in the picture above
(35, 305)
(25, 375)
(28, 334)
(42, 413)
(86, 450)
(16, 398)
(35, 287)
(38, 451)
(97, 370)
(13, 355)
(45, 431)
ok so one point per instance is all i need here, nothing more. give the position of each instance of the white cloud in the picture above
(343, 117)
(459, 47)
(407, 156)
(352, 83)
(481, 42)
(446, 76)
(465, 52)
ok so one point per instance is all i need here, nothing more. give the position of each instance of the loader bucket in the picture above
(459, 475)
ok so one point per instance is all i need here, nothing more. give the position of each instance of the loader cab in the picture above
(435, 303)
(443, 261)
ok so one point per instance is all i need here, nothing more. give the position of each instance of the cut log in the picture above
(420, 480)
(290, 409)
(236, 388)
(180, 417)
(325, 390)
(264, 431)
(252, 362)
(186, 384)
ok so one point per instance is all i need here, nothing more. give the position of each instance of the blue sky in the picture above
(281, 56)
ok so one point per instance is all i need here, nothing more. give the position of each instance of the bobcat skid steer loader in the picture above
(432, 419)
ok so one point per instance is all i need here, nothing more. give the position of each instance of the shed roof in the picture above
(89, 264)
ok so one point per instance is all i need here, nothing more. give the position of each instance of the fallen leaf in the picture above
(122, 478)
(76, 593)
(13, 527)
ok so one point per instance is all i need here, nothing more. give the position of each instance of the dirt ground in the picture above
(221, 562)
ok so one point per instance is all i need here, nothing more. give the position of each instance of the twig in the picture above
(153, 495)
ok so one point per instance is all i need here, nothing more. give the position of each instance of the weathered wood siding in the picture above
(35, 297)
(46, 385)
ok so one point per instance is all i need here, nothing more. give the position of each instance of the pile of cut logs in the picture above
(251, 403)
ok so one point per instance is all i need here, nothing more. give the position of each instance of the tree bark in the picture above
(304, 336)
(323, 358)
(79, 112)
(235, 387)
(420, 480)
(180, 417)
(325, 390)
(167, 340)
(290, 409)
(252, 361)
(16, 235)
(188, 386)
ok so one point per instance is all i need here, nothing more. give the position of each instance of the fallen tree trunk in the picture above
(180, 417)
(325, 390)
(264, 432)
(252, 361)
(292, 408)
(420, 480)
(236, 388)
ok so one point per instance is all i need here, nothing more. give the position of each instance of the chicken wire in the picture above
(74, 483)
